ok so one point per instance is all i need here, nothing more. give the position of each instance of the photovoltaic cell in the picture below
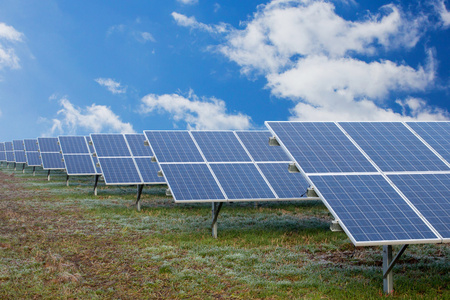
(149, 170)
(320, 147)
(119, 170)
(18, 145)
(52, 161)
(257, 144)
(79, 164)
(48, 144)
(10, 156)
(372, 212)
(173, 146)
(33, 159)
(73, 145)
(191, 182)
(20, 156)
(31, 145)
(137, 146)
(110, 145)
(436, 134)
(220, 146)
(8, 146)
(393, 147)
(430, 194)
(286, 185)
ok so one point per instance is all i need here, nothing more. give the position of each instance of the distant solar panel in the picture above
(9, 152)
(31, 145)
(50, 153)
(20, 157)
(78, 159)
(257, 144)
(110, 145)
(320, 147)
(18, 145)
(32, 152)
(73, 145)
(220, 146)
(2, 152)
(393, 147)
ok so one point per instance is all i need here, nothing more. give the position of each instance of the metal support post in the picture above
(34, 171)
(138, 196)
(48, 175)
(388, 264)
(23, 168)
(67, 180)
(215, 213)
(256, 204)
(15, 166)
(95, 184)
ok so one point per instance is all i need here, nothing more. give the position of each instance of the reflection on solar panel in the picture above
(227, 170)
(393, 147)
(257, 144)
(32, 152)
(9, 152)
(77, 156)
(436, 134)
(321, 147)
(119, 165)
(19, 152)
(430, 194)
(50, 154)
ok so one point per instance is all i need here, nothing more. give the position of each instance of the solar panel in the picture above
(20, 157)
(78, 159)
(430, 194)
(9, 152)
(110, 145)
(73, 145)
(119, 170)
(2, 152)
(18, 145)
(220, 146)
(32, 152)
(50, 153)
(436, 134)
(371, 211)
(173, 146)
(257, 145)
(393, 147)
(31, 145)
(137, 145)
(320, 147)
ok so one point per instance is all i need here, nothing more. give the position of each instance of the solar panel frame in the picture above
(77, 156)
(50, 151)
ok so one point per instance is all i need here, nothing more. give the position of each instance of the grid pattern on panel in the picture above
(320, 147)
(52, 160)
(110, 145)
(2, 147)
(8, 146)
(2, 156)
(119, 170)
(173, 146)
(20, 156)
(257, 144)
(73, 145)
(79, 164)
(436, 134)
(48, 145)
(430, 194)
(242, 181)
(10, 156)
(191, 182)
(286, 185)
(137, 146)
(220, 146)
(33, 159)
(393, 147)
(31, 145)
(18, 145)
(149, 170)
(370, 209)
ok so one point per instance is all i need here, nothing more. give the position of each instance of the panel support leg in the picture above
(23, 168)
(15, 166)
(256, 204)
(95, 184)
(388, 264)
(138, 196)
(7, 165)
(215, 214)
(34, 171)
(48, 175)
(67, 180)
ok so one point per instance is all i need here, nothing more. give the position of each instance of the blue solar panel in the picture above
(191, 182)
(220, 146)
(371, 210)
(430, 194)
(20, 156)
(436, 134)
(33, 158)
(119, 170)
(110, 145)
(73, 145)
(10, 156)
(79, 164)
(2, 147)
(137, 146)
(393, 147)
(149, 170)
(31, 145)
(8, 146)
(257, 144)
(52, 161)
(320, 147)
(173, 146)
(286, 185)
(48, 145)
(2, 156)
(18, 145)
(242, 181)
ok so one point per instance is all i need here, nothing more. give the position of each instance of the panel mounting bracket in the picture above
(273, 141)
(293, 168)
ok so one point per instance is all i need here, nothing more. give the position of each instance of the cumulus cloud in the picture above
(191, 22)
(443, 13)
(188, 2)
(8, 37)
(94, 118)
(112, 85)
(199, 113)
(140, 36)
(330, 67)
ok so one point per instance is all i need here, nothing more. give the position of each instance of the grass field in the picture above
(62, 242)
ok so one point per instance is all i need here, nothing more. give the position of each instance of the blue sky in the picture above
(78, 67)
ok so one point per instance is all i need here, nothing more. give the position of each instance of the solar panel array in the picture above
(386, 182)
(219, 166)
(125, 160)
(77, 156)
(32, 152)
(50, 153)
(2, 152)
(9, 152)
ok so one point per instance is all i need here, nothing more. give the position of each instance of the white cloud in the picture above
(198, 113)
(140, 36)
(9, 36)
(188, 2)
(443, 13)
(112, 85)
(191, 22)
(94, 118)
(328, 66)
(146, 36)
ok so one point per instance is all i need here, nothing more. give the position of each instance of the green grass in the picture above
(63, 242)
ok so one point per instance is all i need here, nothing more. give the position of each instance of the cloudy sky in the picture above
(78, 67)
